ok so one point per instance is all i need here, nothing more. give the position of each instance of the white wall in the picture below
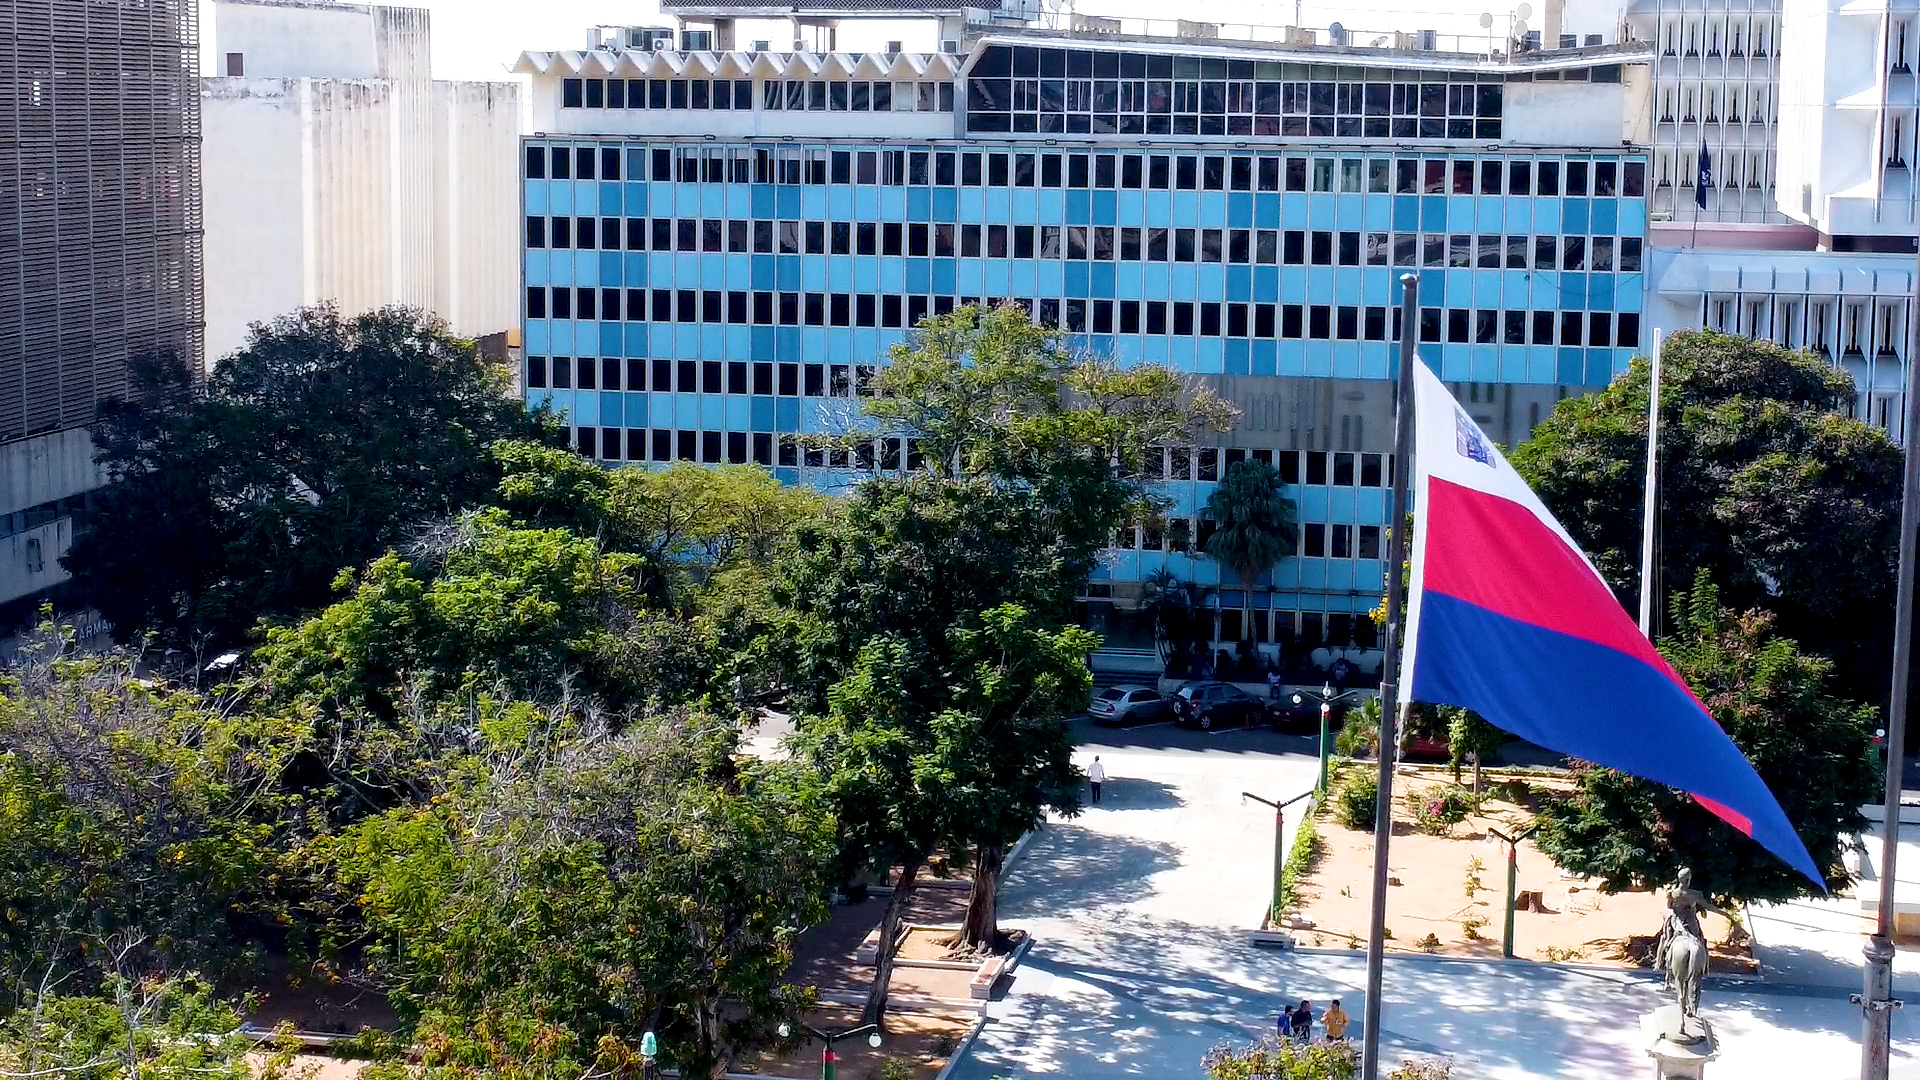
(253, 171)
(362, 191)
(1577, 113)
(35, 471)
(283, 40)
(476, 178)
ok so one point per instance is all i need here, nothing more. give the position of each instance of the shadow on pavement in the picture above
(1134, 793)
(1071, 867)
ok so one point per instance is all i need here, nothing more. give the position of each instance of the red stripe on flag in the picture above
(1495, 554)
(1725, 813)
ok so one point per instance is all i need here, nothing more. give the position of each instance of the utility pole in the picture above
(1877, 1001)
(1390, 697)
(1650, 518)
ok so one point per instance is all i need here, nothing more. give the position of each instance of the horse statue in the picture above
(1681, 954)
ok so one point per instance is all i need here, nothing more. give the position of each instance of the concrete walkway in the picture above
(1140, 906)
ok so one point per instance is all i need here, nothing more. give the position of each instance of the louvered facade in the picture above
(99, 200)
(99, 242)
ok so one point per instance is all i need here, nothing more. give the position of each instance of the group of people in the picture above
(1296, 1022)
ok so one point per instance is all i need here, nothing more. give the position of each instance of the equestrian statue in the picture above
(1681, 953)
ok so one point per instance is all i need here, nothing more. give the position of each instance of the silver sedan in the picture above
(1128, 704)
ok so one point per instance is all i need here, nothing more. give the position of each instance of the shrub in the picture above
(1300, 859)
(1517, 792)
(1354, 799)
(895, 1069)
(1436, 811)
(1277, 1058)
(1359, 734)
(1428, 944)
(1274, 1059)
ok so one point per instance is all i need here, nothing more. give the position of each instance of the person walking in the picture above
(1096, 776)
(1303, 1022)
(1336, 1020)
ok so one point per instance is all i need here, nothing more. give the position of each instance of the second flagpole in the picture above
(1390, 698)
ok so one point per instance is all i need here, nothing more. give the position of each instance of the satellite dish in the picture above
(1336, 29)
(1524, 11)
(1486, 20)
(1520, 28)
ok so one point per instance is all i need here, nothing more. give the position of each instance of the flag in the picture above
(1508, 618)
(1705, 179)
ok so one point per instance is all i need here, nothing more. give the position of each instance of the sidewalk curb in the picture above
(1636, 973)
(960, 1051)
(1019, 848)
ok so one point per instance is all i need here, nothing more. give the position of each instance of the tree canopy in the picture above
(326, 440)
(576, 888)
(1257, 526)
(1812, 748)
(1790, 506)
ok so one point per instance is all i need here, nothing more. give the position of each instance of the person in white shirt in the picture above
(1096, 776)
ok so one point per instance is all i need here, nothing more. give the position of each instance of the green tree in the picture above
(1468, 736)
(1257, 526)
(964, 748)
(479, 601)
(140, 825)
(1789, 505)
(320, 444)
(161, 1029)
(568, 889)
(1812, 748)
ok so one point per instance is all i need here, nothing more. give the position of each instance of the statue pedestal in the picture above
(1679, 1051)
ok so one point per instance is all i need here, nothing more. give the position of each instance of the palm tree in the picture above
(1176, 608)
(1255, 525)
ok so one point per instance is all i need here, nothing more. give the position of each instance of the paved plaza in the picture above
(1140, 906)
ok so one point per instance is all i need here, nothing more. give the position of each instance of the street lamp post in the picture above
(1279, 849)
(649, 1051)
(1327, 698)
(1513, 882)
(828, 1069)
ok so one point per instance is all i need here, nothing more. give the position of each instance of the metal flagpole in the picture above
(1390, 703)
(1877, 999)
(1649, 522)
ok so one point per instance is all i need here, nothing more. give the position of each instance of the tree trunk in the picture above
(1476, 773)
(876, 1010)
(982, 927)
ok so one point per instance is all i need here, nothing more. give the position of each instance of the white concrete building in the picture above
(336, 169)
(1808, 109)
(1716, 74)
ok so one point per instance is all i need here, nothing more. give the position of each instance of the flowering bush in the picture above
(1436, 811)
(1276, 1059)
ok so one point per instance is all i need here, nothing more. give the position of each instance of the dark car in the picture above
(1128, 704)
(1294, 709)
(1213, 704)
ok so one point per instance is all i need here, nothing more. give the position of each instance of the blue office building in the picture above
(721, 242)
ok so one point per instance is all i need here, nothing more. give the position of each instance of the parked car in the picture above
(1207, 704)
(1128, 704)
(1297, 710)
